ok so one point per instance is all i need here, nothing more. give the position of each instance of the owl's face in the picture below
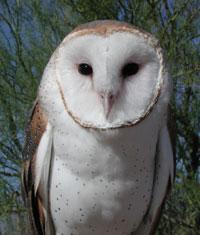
(108, 78)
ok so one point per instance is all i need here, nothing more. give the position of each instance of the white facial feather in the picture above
(106, 179)
(107, 56)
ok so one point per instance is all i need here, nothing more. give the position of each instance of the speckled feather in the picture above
(85, 175)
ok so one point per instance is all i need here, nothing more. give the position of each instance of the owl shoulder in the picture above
(36, 126)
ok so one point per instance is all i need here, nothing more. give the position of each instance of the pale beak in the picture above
(107, 100)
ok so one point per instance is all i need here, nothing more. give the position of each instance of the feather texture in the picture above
(163, 179)
(83, 173)
(37, 150)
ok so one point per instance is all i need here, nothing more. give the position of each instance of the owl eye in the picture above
(130, 69)
(85, 69)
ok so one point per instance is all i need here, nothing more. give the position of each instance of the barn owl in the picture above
(98, 158)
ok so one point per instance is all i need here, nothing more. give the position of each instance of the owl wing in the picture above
(35, 187)
(163, 179)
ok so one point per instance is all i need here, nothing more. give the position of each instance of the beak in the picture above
(107, 100)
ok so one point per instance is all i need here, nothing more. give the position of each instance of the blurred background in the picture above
(29, 33)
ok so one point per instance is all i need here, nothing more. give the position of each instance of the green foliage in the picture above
(29, 33)
(182, 211)
(95, 10)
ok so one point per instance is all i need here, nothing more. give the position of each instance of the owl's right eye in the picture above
(85, 69)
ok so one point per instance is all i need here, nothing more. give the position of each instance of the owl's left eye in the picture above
(130, 69)
(85, 69)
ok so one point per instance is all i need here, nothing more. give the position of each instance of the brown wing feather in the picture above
(34, 132)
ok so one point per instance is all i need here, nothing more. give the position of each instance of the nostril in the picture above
(111, 97)
(108, 96)
(101, 95)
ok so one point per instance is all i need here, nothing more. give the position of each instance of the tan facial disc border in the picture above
(104, 32)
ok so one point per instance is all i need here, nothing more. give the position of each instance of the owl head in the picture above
(105, 74)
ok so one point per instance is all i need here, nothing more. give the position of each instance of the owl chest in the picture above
(100, 186)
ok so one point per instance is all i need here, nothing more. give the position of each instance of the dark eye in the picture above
(130, 69)
(85, 69)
